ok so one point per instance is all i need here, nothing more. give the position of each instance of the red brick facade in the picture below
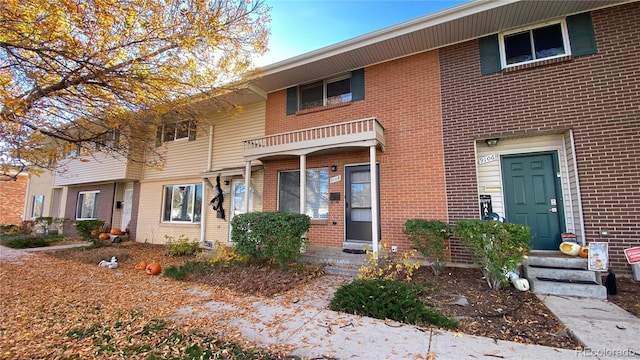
(105, 204)
(12, 204)
(404, 95)
(596, 96)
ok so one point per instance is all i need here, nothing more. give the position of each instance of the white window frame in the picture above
(565, 40)
(196, 218)
(310, 210)
(37, 211)
(81, 201)
(325, 83)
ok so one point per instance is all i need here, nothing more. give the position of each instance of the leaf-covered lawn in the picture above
(66, 307)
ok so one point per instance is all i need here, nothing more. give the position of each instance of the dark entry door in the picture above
(357, 200)
(533, 197)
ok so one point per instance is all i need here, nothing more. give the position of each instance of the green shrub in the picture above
(27, 242)
(183, 246)
(431, 238)
(273, 235)
(190, 268)
(497, 247)
(85, 227)
(388, 299)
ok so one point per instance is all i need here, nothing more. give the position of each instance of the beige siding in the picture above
(573, 204)
(217, 230)
(100, 167)
(490, 178)
(182, 157)
(150, 227)
(41, 184)
(230, 132)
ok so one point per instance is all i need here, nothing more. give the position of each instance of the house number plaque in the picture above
(487, 159)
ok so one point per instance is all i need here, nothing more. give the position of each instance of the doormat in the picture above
(354, 251)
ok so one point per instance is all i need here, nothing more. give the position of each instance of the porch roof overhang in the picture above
(331, 138)
(464, 22)
(229, 172)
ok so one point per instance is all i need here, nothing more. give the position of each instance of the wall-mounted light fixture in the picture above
(334, 168)
(226, 182)
(492, 142)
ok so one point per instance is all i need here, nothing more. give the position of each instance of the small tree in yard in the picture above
(497, 247)
(431, 238)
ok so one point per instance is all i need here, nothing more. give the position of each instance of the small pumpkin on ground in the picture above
(142, 265)
(153, 269)
(569, 248)
(104, 236)
(584, 252)
(116, 231)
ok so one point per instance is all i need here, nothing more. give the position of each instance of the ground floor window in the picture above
(182, 203)
(317, 192)
(36, 206)
(87, 208)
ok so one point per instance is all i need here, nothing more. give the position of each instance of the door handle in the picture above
(553, 209)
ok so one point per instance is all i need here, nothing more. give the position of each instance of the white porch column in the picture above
(247, 185)
(374, 200)
(303, 184)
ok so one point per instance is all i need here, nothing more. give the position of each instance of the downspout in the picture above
(203, 210)
(303, 184)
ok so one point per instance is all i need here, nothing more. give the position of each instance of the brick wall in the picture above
(404, 95)
(13, 201)
(105, 204)
(596, 96)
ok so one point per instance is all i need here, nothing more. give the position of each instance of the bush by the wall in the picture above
(431, 238)
(85, 227)
(183, 246)
(273, 235)
(497, 247)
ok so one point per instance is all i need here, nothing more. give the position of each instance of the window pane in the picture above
(361, 195)
(517, 47)
(548, 41)
(36, 210)
(169, 132)
(182, 130)
(182, 200)
(167, 203)
(339, 91)
(311, 95)
(197, 206)
(87, 206)
(289, 191)
(361, 215)
(317, 197)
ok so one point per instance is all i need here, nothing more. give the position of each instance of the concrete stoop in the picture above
(336, 261)
(563, 276)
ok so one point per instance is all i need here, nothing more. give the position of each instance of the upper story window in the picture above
(172, 131)
(552, 40)
(325, 92)
(534, 44)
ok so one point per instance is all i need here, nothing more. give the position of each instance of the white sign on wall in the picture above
(487, 159)
(335, 179)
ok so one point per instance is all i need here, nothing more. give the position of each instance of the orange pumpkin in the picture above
(116, 231)
(142, 265)
(94, 234)
(104, 236)
(153, 269)
(584, 252)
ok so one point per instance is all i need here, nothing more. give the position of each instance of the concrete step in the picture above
(591, 290)
(570, 275)
(342, 270)
(557, 262)
(344, 259)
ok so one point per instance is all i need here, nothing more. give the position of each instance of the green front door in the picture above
(533, 197)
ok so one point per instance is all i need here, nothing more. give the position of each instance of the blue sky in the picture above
(301, 26)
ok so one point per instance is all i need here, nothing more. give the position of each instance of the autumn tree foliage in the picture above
(102, 74)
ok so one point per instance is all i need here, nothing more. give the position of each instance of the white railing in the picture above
(327, 135)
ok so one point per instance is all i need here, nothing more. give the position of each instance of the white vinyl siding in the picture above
(96, 168)
(229, 134)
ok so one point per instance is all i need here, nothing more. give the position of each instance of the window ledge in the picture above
(543, 62)
(322, 108)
